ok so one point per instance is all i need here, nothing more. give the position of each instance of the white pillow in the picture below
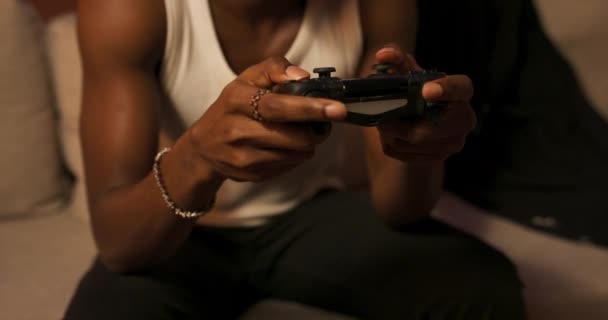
(32, 178)
(580, 32)
(67, 76)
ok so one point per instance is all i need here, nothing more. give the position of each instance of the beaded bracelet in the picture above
(168, 201)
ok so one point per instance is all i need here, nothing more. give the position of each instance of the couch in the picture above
(45, 241)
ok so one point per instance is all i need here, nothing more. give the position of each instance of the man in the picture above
(242, 203)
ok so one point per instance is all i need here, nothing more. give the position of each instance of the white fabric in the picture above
(32, 177)
(580, 31)
(563, 279)
(195, 71)
(64, 59)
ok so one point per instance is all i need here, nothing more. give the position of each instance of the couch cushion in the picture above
(580, 33)
(33, 180)
(41, 261)
(66, 73)
(563, 279)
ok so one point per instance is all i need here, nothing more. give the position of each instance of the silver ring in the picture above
(255, 103)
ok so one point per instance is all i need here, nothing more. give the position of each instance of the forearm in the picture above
(120, 121)
(404, 192)
(133, 226)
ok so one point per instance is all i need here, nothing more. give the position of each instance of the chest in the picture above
(245, 44)
(199, 61)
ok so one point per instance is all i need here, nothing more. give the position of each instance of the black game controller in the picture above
(373, 100)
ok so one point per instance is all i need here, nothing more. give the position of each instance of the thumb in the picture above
(272, 71)
(393, 54)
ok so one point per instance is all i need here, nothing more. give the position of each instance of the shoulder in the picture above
(130, 32)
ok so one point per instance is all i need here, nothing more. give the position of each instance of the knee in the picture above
(484, 282)
(482, 267)
(498, 270)
(450, 277)
(105, 295)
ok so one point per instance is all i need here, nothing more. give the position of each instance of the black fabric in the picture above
(332, 253)
(540, 149)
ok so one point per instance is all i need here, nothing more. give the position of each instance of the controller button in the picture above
(383, 68)
(324, 72)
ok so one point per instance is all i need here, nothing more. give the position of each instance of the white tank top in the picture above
(195, 71)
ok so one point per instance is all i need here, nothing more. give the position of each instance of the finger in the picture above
(417, 132)
(412, 156)
(254, 164)
(260, 159)
(445, 146)
(272, 71)
(393, 54)
(422, 135)
(283, 108)
(280, 136)
(450, 88)
(288, 108)
(457, 120)
(411, 61)
(398, 128)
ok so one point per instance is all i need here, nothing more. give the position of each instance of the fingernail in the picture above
(335, 111)
(390, 55)
(387, 49)
(432, 90)
(392, 45)
(295, 73)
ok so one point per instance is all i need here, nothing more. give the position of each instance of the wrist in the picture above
(197, 161)
(419, 165)
(424, 164)
(190, 181)
(199, 167)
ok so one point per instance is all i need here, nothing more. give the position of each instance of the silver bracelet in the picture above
(168, 201)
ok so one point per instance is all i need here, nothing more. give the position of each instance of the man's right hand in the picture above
(243, 149)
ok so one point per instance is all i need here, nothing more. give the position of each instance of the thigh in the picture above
(202, 281)
(105, 295)
(334, 253)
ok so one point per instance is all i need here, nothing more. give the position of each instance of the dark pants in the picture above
(332, 253)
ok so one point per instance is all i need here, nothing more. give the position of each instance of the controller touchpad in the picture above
(375, 107)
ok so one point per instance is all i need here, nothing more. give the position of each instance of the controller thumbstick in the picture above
(383, 68)
(324, 72)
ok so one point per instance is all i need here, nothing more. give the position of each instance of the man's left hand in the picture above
(422, 140)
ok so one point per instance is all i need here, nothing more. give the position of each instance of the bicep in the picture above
(121, 95)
